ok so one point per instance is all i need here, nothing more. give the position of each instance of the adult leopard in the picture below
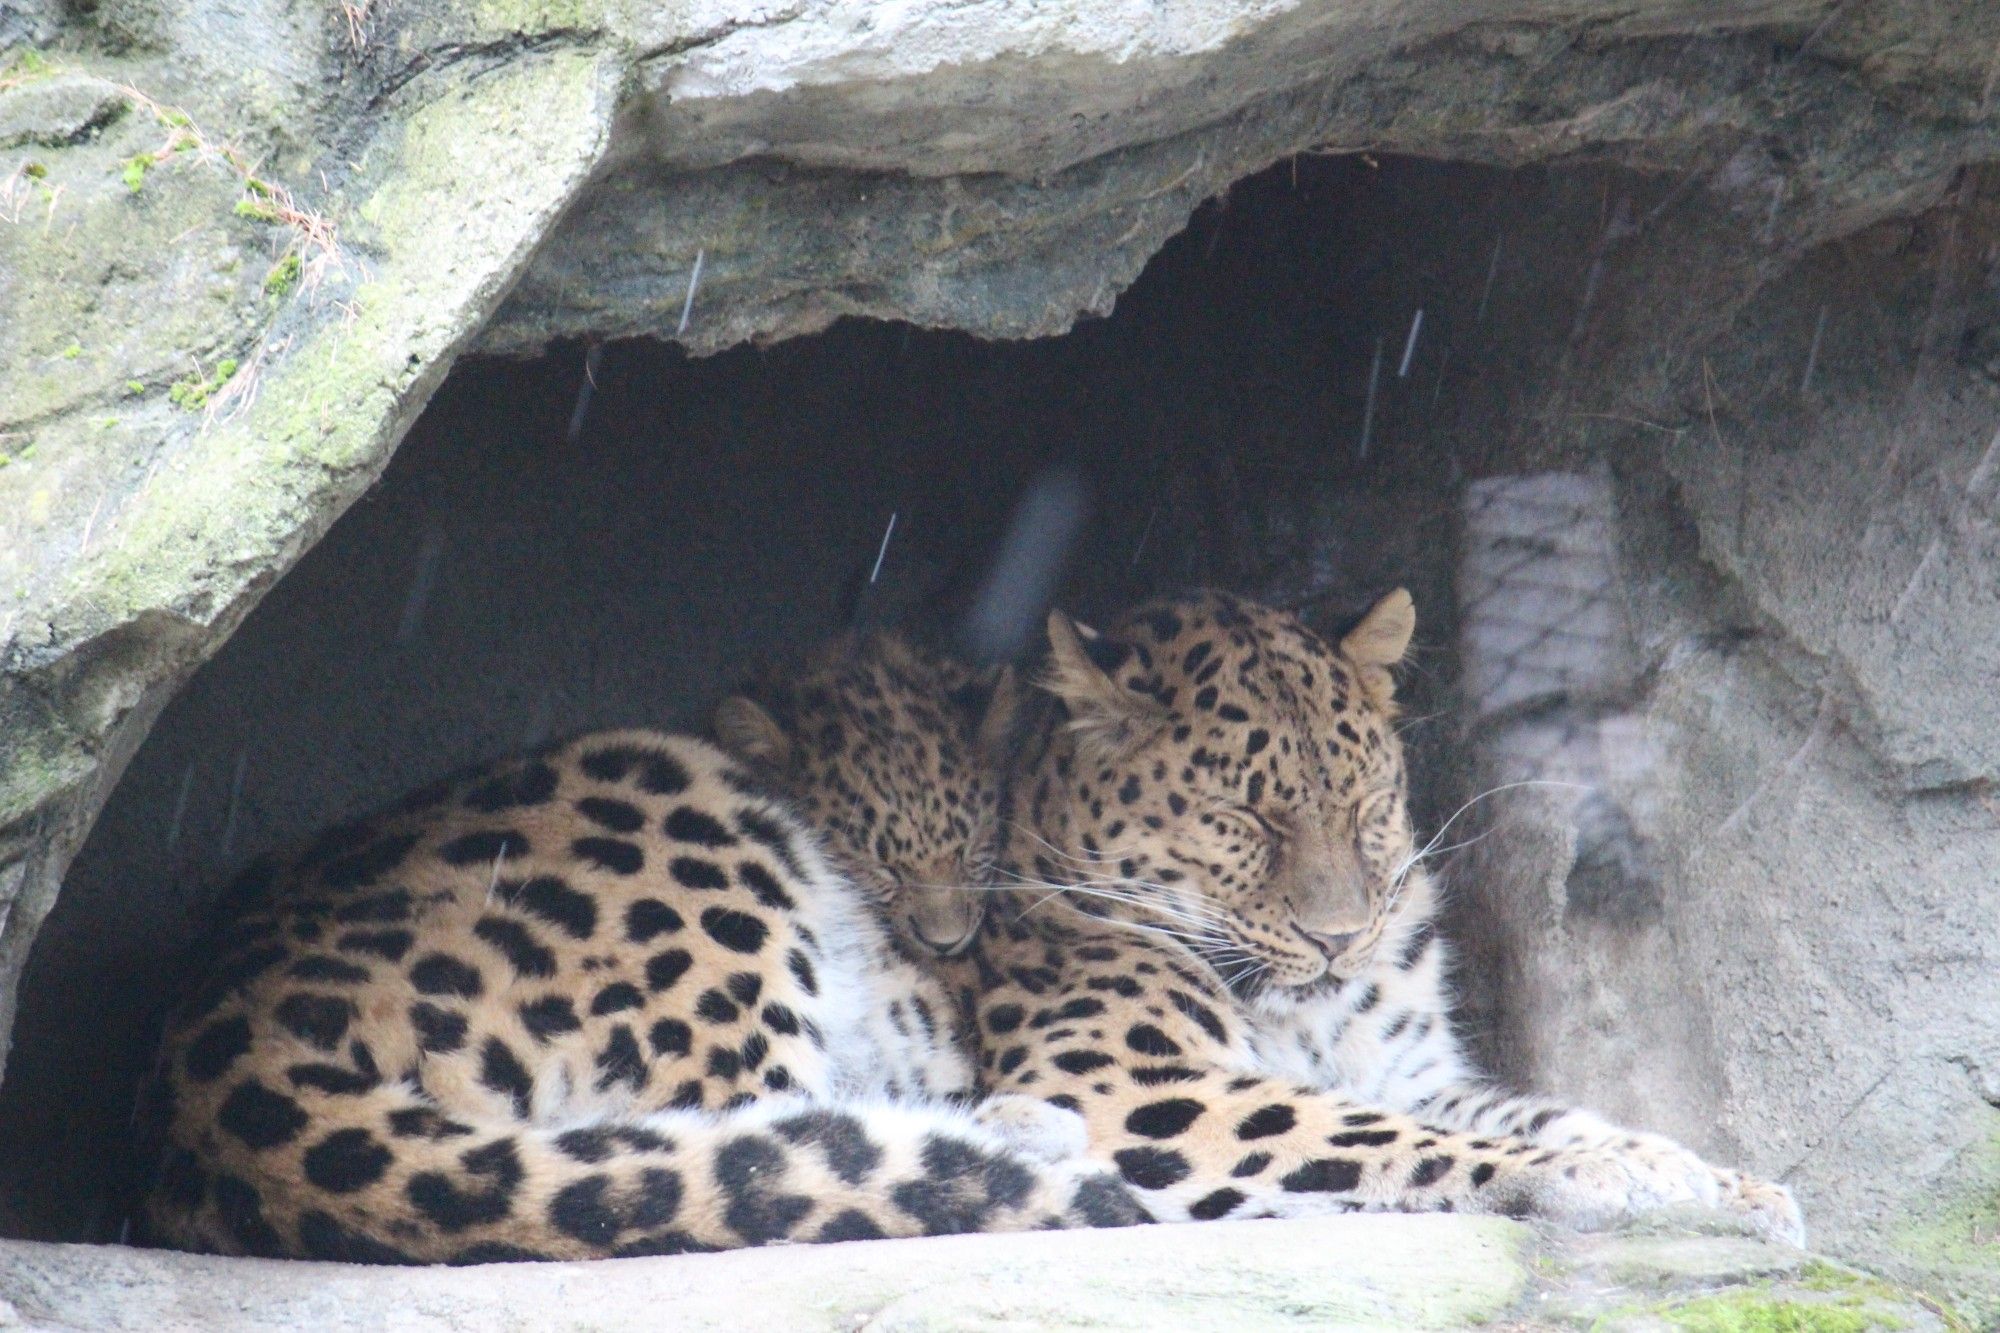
(1220, 948)
(619, 997)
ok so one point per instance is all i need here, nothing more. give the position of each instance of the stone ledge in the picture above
(1374, 1271)
(1363, 1271)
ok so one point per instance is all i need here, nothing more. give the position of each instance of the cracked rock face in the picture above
(241, 246)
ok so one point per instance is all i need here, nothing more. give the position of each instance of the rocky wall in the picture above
(1735, 641)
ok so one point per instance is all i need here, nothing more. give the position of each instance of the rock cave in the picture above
(390, 387)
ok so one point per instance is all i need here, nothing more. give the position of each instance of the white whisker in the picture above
(1168, 902)
(1169, 910)
(1427, 848)
(1080, 858)
(1190, 921)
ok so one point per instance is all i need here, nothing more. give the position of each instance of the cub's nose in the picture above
(1329, 942)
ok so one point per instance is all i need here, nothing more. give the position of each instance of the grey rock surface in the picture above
(1006, 177)
(1378, 1272)
(1785, 947)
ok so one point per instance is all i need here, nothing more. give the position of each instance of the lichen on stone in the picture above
(1758, 1312)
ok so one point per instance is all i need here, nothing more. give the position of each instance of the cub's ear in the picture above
(1379, 642)
(747, 731)
(1082, 673)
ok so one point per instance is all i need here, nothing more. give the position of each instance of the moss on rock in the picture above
(1956, 1245)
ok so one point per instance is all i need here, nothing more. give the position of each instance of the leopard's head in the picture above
(889, 751)
(1223, 774)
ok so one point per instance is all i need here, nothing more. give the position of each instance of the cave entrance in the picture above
(1286, 404)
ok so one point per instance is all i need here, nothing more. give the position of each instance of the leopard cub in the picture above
(634, 994)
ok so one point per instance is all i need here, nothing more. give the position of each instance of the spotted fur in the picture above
(890, 752)
(614, 998)
(1226, 961)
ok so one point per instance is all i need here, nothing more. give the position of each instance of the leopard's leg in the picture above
(1489, 1109)
(1213, 1144)
(1476, 1106)
(1154, 1059)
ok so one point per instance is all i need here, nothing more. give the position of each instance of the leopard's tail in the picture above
(382, 1175)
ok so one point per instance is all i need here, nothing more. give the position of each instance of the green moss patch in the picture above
(195, 391)
(1815, 1296)
(24, 66)
(284, 276)
(1957, 1247)
(1760, 1312)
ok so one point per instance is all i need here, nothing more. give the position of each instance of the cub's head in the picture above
(892, 754)
(1222, 773)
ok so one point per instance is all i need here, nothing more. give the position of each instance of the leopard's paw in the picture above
(1033, 1128)
(1601, 1185)
(1765, 1205)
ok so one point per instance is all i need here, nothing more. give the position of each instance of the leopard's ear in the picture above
(749, 732)
(1083, 673)
(1081, 663)
(1379, 641)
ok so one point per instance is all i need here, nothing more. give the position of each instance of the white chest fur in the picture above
(886, 1024)
(1383, 1037)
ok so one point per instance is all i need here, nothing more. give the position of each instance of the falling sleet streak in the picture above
(83, 547)
(180, 810)
(1770, 230)
(1616, 228)
(235, 801)
(1822, 727)
(1982, 474)
(1144, 533)
(1590, 281)
(584, 392)
(1812, 353)
(883, 551)
(1492, 272)
(1368, 411)
(694, 283)
(1410, 344)
(1437, 389)
(428, 553)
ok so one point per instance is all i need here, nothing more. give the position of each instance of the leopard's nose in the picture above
(1329, 942)
(944, 948)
